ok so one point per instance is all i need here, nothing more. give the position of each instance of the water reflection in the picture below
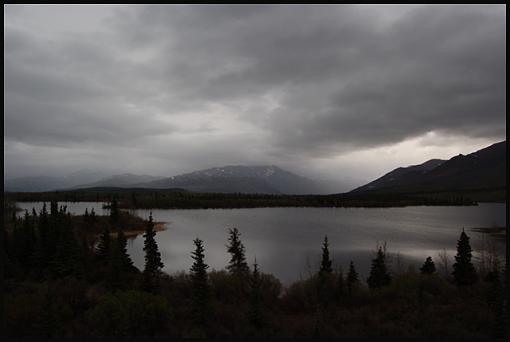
(287, 241)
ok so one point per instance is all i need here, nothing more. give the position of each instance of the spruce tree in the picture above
(379, 275)
(237, 265)
(428, 267)
(464, 271)
(326, 261)
(126, 263)
(40, 257)
(67, 259)
(255, 310)
(103, 249)
(53, 208)
(120, 262)
(352, 278)
(28, 239)
(53, 230)
(325, 283)
(153, 264)
(199, 286)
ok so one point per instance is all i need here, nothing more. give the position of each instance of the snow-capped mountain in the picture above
(237, 178)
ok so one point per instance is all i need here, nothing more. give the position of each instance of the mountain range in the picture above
(248, 179)
(120, 181)
(481, 170)
(267, 179)
(49, 183)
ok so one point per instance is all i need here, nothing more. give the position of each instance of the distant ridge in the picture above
(267, 179)
(49, 183)
(483, 169)
(264, 179)
(123, 180)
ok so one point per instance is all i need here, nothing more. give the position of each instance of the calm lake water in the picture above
(287, 241)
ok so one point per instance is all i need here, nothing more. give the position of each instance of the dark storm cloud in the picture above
(347, 79)
(230, 84)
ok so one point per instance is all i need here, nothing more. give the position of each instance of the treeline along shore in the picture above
(182, 199)
(68, 275)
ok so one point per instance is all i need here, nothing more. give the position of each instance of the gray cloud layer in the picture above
(170, 88)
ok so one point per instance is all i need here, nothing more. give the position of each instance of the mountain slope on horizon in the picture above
(483, 169)
(122, 180)
(244, 179)
(237, 178)
(49, 183)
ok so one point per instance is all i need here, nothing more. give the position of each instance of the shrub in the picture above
(129, 313)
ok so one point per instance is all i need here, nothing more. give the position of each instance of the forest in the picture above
(70, 275)
(182, 199)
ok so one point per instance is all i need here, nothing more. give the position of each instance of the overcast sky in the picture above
(332, 91)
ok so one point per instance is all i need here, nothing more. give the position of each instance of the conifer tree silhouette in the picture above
(255, 310)
(352, 278)
(237, 265)
(428, 267)
(379, 275)
(326, 261)
(104, 246)
(153, 263)
(200, 286)
(464, 271)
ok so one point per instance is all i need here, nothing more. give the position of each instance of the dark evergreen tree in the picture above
(352, 278)
(55, 224)
(428, 267)
(199, 286)
(237, 265)
(255, 311)
(125, 262)
(325, 288)
(103, 248)
(27, 242)
(379, 275)
(120, 263)
(326, 261)
(67, 260)
(153, 264)
(41, 255)
(53, 208)
(464, 271)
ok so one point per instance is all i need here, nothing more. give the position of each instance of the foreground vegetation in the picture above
(181, 199)
(70, 276)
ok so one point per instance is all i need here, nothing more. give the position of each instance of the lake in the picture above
(287, 241)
